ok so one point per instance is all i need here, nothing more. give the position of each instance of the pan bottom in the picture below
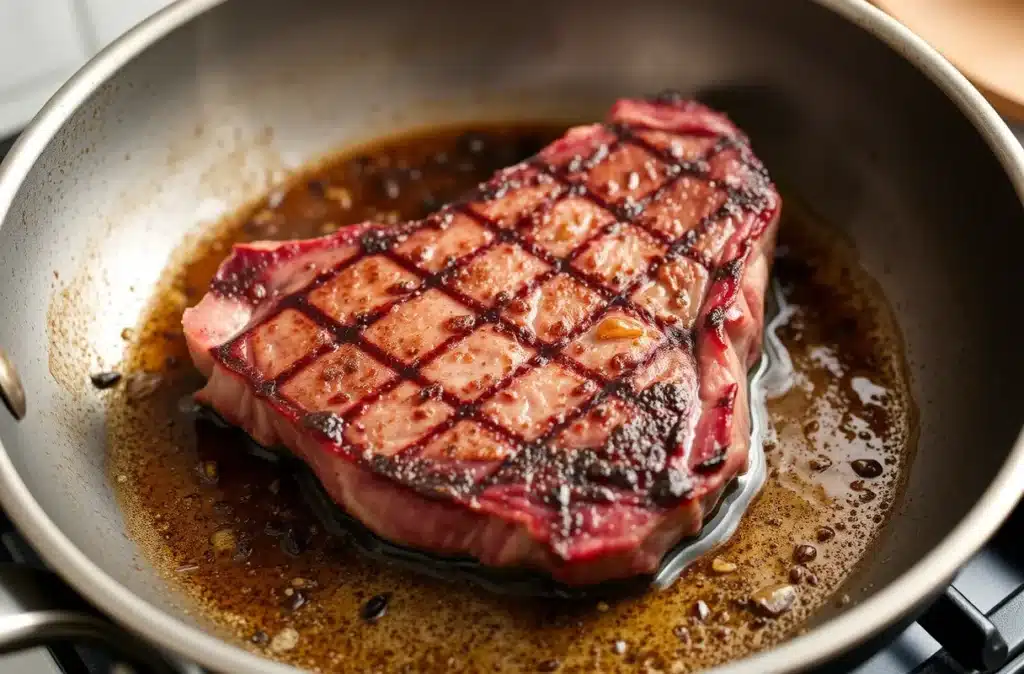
(236, 535)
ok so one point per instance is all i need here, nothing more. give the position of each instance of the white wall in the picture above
(42, 42)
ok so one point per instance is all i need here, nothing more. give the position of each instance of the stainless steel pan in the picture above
(205, 104)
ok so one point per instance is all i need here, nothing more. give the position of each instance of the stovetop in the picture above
(988, 596)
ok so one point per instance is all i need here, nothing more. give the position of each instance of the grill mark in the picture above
(620, 388)
(302, 363)
(383, 243)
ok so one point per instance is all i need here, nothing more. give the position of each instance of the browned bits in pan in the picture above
(805, 553)
(866, 468)
(105, 380)
(351, 581)
(376, 608)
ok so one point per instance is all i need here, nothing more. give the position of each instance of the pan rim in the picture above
(826, 641)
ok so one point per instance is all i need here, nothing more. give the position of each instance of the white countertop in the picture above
(43, 42)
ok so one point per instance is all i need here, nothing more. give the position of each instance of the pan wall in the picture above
(221, 109)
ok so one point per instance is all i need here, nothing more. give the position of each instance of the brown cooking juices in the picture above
(231, 529)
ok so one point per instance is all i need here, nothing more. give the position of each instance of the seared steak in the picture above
(550, 373)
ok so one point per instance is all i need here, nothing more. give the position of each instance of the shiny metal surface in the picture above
(39, 610)
(11, 390)
(180, 121)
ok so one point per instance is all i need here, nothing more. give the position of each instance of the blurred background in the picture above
(43, 42)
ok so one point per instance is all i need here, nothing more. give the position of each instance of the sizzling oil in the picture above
(234, 534)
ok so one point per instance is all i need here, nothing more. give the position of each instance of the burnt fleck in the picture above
(866, 468)
(376, 608)
(716, 318)
(432, 392)
(293, 602)
(612, 474)
(798, 574)
(630, 209)
(805, 553)
(713, 462)
(223, 509)
(730, 270)
(402, 287)
(820, 463)
(376, 241)
(243, 549)
(460, 323)
(671, 487)
(549, 665)
(291, 545)
(619, 362)
(274, 529)
(328, 424)
(259, 637)
(105, 380)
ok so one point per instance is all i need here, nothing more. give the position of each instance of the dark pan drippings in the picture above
(233, 531)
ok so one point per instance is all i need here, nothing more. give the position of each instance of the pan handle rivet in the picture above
(11, 389)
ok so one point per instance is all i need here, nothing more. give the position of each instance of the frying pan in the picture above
(209, 102)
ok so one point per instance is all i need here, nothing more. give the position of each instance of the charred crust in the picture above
(716, 318)
(578, 190)
(328, 424)
(638, 459)
(376, 240)
(241, 278)
(507, 236)
(731, 270)
(460, 323)
(432, 392)
(680, 337)
(630, 209)
(423, 476)
(713, 462)
(499, 187)
(616, 475)
(224, 352)
(634, 459)
(671, 486)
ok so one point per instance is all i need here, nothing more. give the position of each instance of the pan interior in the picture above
(235, 533)
(220, 110)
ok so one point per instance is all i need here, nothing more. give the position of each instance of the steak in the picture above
(549, 373)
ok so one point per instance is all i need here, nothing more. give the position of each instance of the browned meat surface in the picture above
(550, 373)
